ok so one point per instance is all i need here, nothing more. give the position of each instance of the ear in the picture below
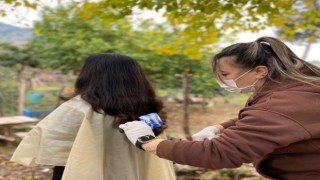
(261, 72)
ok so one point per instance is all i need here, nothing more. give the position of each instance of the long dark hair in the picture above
(116, 85)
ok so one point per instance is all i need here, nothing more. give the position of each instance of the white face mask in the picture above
(231, 85)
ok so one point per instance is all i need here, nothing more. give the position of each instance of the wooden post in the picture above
(1, 109)
(185, 84)
(22, 91)
(1, 115)
(10, 135)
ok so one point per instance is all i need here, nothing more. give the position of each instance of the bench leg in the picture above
(10, 134)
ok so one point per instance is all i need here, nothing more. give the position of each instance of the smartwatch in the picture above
(144, 139)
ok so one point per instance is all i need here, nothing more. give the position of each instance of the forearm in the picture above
(194, 153)
(152, 145)
(182, 152)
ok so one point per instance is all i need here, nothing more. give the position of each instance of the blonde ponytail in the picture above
(287, 63)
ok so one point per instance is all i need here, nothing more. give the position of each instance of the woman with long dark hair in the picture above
(82, 134)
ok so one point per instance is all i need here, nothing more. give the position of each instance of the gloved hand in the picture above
(137, 132)
(206, 133)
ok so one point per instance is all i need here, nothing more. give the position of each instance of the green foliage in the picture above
(163, 71)
(7, 5)
(63, 39)
(8, 90)
(13, 58)
(303, 24)
(201, 22)
(13, 55)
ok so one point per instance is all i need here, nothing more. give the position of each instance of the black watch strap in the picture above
(144, 139)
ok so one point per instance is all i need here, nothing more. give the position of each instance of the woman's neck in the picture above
(259, 85)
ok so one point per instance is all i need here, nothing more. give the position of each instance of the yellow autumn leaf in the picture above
(177, 41)
(16, 4)
(311, 27)
(278, 21)
(311, 38)
(309, 3)
(79, 43)
(316, 20)
(3, 13)
(36, 31)
(90, 6)
(33, 6)
(87, 15)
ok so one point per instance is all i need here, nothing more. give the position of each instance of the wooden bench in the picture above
(21, 135)
(8, 123)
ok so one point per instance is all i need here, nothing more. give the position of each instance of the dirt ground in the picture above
(200, 116)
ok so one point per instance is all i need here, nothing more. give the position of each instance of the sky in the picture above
(298, 49)
(25, 18)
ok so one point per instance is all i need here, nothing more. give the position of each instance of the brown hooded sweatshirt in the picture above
(278, 130)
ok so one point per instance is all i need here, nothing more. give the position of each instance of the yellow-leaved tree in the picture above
(200, 23)
(303, 24)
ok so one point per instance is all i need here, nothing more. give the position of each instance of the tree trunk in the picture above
(308, 46)
(22, 90)
(306, 50)
(185, 79)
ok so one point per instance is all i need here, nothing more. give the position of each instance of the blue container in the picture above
(30, 113)
(34, 97)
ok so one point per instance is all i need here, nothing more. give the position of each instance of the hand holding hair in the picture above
(138, 132)
(206, 133)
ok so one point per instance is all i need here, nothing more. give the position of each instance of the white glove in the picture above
(135, 130)
(206, 133)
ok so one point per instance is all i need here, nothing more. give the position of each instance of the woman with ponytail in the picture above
(278, 130)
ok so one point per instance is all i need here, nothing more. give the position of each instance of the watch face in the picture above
(145, 138)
